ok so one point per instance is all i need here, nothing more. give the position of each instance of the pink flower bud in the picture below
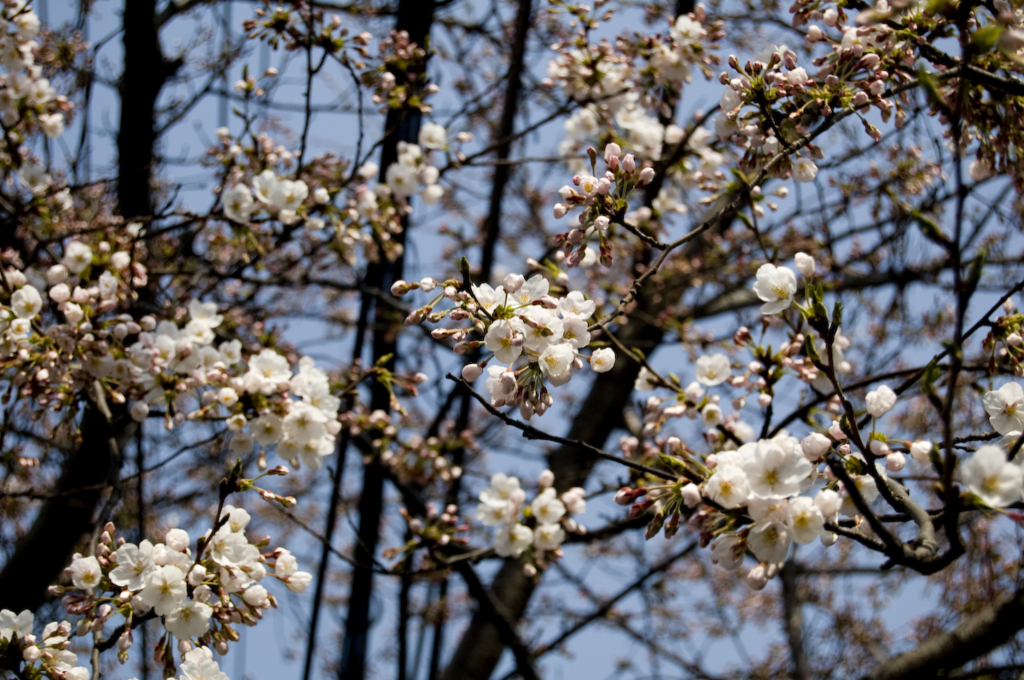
(757, 578)
(878, 447)
(638, 509)
(628, 163)
(471, 372)
(625, 495)
(805, 265)
(513, 282)
(895, 461)
(646, 176)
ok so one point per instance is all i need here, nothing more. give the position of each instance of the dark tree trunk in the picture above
(415, 17)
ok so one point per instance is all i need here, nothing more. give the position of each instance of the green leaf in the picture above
(985, 39)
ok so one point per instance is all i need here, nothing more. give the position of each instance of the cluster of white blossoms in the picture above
(285, 199)
(616, 89)
(763, 496)
(196, 596)
(410, 173)
(25, 95)
(53, 347)
(608, 81)
(538, 529)
(46, 655)
(533, 337)
(182, 368)
(996, 481)
(768, 481)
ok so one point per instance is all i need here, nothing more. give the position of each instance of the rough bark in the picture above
(68, 515)
(976, 635)
(793, 622)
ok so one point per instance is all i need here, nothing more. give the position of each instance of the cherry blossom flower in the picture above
(713, 370)
(880, 401)
(77, 256)
(502, 337)
(602, 360)
(512, 541)
(548, 536)
(433, 136)
(805, 265)
(86, 573)
(554, 361)
(199, 667)
(14, 626)
(770, 542)
(804, 170)
(645, 381)
(134, 565)
(288, 195)
(815, 445)
(26, 302)
(728, 486)
(189, 621)
(774, 470)
(775, 286)
(547, 508)
(988, 475)
(805, 519)
(727, 551)
(1005, 408)
(165, 589)
(238, 203)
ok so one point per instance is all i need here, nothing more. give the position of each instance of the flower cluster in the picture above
(544, 523)
(519, 320)
(46, 655)
(197, 596)
(602, 199)
(283, 198)
(612, 82)
(148, 362)
(28, 103)
(757, 496)
(404, 177)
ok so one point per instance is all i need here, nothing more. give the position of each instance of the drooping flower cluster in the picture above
(541, 529)
(147, 362)
(519, 320)
(197, 596)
